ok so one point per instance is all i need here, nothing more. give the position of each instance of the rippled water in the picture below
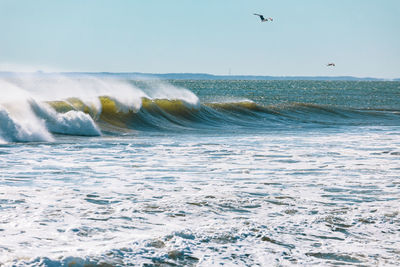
(296, 194)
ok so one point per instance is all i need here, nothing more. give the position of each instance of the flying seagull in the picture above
(263, 19)
(330, 65)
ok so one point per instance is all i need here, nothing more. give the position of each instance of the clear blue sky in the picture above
(208, 36)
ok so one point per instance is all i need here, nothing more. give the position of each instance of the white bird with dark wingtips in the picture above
(263, 19)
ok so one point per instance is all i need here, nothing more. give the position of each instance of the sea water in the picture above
(117, 171)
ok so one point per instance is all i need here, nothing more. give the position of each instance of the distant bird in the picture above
(330, 65)
(263, 19)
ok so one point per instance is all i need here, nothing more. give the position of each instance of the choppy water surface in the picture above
(249, 177)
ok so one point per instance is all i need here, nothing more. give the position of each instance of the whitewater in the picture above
(109, 170)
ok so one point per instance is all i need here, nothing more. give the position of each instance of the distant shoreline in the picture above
(201, 76)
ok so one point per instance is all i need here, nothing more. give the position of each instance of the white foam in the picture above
(18, 123)
(72, 122)
(13, 130)
(23, 119)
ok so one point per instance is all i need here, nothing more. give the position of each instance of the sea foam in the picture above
(72, 122)
(24, 119)
(18, 123)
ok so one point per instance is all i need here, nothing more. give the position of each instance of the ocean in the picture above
(117, 171)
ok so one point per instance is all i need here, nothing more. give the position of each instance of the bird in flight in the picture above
(263, 19)
(330, 65)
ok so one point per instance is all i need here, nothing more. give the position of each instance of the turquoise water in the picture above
(198, 173)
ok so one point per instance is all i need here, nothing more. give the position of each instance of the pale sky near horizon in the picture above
(362, 37)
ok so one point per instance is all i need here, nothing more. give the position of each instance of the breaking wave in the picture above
(176, 114)
(23, 118)
(34, 108)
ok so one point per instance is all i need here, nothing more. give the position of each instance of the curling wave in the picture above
(39, 107)
(164, 114)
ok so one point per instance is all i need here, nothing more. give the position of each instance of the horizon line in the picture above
(226, 76)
